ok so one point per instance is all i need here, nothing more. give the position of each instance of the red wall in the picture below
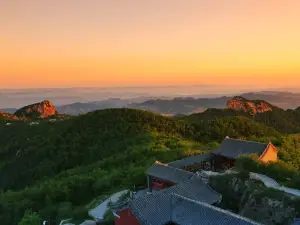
(126, 218)
(158, 185)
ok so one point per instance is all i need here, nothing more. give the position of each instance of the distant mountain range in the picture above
(190, 105)
(182, 105)
(82, 108)
(9, 110)
(178, 105)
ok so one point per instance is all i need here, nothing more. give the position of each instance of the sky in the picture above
(95, 43)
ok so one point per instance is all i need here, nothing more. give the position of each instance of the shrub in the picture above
(80, 213)
(30, 218)
(280, 171)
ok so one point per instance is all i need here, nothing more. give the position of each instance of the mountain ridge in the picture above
(42, 109)
(252, 107)
(173, 105)
(54, 168)
(285, 121)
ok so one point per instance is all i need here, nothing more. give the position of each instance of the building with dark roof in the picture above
(183, 197)
(160, 209)
(224, 157)
(161, 176)
(153, 208)
(195, 189)
(191, 160)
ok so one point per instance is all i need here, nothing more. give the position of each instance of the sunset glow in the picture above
(120, 43)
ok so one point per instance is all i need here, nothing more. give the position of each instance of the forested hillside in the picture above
(56, 168)
(47, 149)
(71, 162)
(284, 121)
(232, 126)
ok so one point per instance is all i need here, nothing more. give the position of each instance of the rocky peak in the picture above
(252, 107)
(7, 116)
(43, 109)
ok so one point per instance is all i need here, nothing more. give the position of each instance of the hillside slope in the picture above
(181, 105)
(233, 126)
(78, 159)
(54, 168)
(31, 153)
(285, 121)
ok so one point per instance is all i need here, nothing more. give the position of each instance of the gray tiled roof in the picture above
(195, 189)
(232, 148)
(160, 209)
(190, 160)
(168, 173)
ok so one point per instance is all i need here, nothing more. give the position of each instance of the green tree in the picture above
(30, 218)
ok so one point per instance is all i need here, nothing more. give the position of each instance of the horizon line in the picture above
(144, 86)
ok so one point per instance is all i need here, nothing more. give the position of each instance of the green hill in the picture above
(78, 159)
(233, 126)
(284, 121)
(30, 153)
(55, 167)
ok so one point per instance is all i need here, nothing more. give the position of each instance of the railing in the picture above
(119, 205)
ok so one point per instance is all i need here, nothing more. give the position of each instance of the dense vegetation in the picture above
(56, 168)
(67, 164)
(284, 121)
(233, 126)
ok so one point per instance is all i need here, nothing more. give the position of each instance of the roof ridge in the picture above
(205, 184)
(191, 156)
(217, 209)
(248, 141)
(166, 165)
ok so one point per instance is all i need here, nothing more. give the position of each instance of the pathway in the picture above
(268, 181)
(100, 210)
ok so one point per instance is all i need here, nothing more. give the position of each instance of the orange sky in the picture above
(159, 42)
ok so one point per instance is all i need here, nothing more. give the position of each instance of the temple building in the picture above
(182, 196)
(225, 156)
(156, 207)
(160, 176)
(190, 202)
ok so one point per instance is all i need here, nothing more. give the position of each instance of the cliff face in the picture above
(39, 110)
(252, 107)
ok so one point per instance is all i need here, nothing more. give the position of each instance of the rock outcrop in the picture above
(251, 107)
(253, 200)
(7, 116)
(38, 110)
